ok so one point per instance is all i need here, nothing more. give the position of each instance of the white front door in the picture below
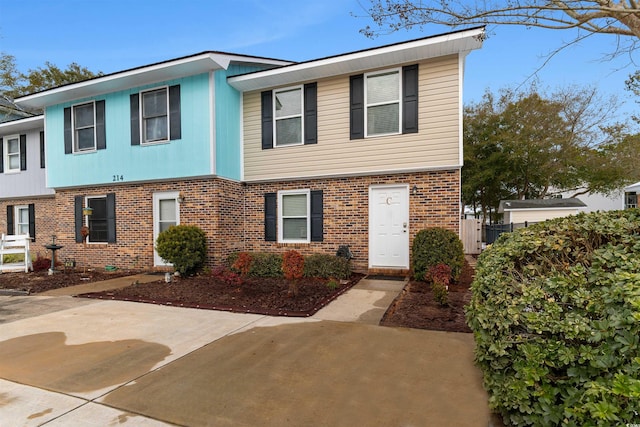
(389, 226)
(166, 212)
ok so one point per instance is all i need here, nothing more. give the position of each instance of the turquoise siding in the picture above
(120, 161)
(228, 111)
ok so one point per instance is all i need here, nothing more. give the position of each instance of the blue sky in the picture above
(113, 35)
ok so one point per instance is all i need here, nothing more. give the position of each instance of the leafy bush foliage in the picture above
(293, 269)
(226, 275)
(440, 276)
(262, 264)
(326, 266)
(185, 246)
(555, 311)
(433, 246)
(243, 263)
(41, 263)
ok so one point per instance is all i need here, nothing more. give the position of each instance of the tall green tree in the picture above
(526, 145)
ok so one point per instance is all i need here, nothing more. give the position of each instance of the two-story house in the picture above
(27, 206)
(361, 149)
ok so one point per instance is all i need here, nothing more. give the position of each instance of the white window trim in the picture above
(282, 193)
(16, 218)
(143, 140)
(366, 102)
(73, 129)
(7, 162)
(301, 115)
(166, 195)
(86, 217)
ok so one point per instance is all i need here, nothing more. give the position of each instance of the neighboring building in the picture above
(536, 210)
(362, 149)
(26, 204)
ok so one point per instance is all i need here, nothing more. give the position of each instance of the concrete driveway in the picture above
(75, 362)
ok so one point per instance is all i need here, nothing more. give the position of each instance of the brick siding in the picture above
(45, 212)
(232, 216)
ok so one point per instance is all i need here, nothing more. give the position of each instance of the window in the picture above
(22, 220)
(287, 105)
(382, 101)
(101, 224)
(97, 221)
(155, 115)
(84, 128)
(631, 200)
(293, 216)
(12, 154)
(289, 116)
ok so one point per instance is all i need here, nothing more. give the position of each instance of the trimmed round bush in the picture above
(433, 246)
(555, 312)
(184, 246)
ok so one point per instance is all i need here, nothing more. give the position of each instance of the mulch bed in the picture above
(269, 296)
(40, 281)
(415, 306)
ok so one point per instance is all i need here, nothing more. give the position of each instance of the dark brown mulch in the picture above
(40, 281)
(268, 296)
(416, 307)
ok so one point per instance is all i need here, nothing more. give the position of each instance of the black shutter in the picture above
(267, 120)
(23, 152)
(101, 135)
(68, 142)
(42, 154)
(317, 218)
(311, 113)
(111, 218)
(270, 217)
(1, 157)
(410, 99)
(175, 126)
(356, 99)
(32, 222)
(134, 102)
(79, 220)
(10, 226)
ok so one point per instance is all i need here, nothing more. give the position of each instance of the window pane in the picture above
(383, 119)
(289, 103)
(23, 229)
(84, 139)
(23, 216)
(154, 103)
(98, 219)
(383, 88)
(14, 162)
(294, 205)
(14, 146)
(83, 115)
(294, 228)
(166, 225)
(168, 210)
(156, 129)
(289, 131)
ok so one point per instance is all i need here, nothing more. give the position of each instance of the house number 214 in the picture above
(117, 178)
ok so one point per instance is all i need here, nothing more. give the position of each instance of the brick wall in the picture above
(214, 205)
(232, 216)
(346, 210)
(45, 211)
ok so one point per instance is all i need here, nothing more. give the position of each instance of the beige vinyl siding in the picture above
(537, 215)
(436, 145)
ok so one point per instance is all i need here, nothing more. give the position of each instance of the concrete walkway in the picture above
(80, 362)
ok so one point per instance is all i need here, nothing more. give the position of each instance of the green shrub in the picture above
(263, 264)
(440, 293)
(555, 312)
(326, 266)
(185, 246)
(433, 246)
